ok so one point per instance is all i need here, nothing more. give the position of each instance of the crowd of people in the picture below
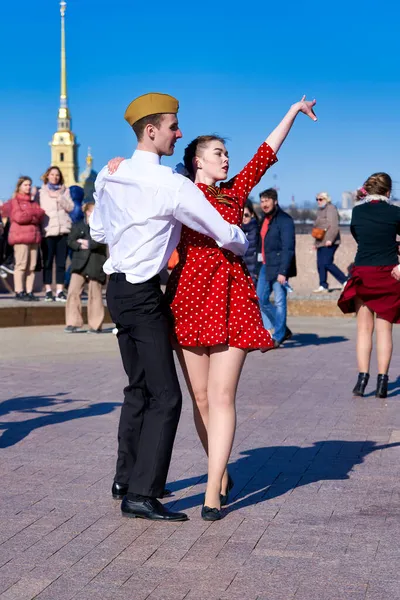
(217, 306)
(40, 230)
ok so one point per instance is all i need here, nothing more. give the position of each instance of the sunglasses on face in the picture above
(246, 215)
(319, 199)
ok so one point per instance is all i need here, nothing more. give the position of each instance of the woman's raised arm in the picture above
(279, 134)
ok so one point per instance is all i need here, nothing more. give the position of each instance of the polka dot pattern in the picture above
(212, 295)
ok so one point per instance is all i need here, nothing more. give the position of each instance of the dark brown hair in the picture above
(19, 183)
(250, 207)
(195, 145)
(377, 183)
(269, 193)
(45, 176)
(140, 125)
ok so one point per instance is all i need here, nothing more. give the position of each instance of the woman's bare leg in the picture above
(225, 367)
(384, 344)
(195, 363)
(365, 330)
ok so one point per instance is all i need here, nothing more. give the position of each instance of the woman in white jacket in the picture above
(55, 200)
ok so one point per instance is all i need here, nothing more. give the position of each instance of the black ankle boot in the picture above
(361, 384)
(382, 386)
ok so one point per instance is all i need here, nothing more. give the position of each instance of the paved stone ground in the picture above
(315, 512)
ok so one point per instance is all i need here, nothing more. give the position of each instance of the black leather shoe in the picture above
(382, 386)
(210, 514)
(225, 497)
(150, 509)
(361, 384)
(119, 490)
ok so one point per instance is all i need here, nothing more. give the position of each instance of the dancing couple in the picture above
(140, 209)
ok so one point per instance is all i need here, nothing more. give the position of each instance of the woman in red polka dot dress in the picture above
(214, 303)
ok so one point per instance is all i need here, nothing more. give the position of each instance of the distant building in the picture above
(348, 199)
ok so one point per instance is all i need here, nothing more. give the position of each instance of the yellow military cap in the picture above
(150, 104)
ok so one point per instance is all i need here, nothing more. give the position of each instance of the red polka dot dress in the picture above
(211, 293)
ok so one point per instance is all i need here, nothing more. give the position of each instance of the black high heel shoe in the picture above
(361, 384)
(382, 386)
(225, 497)
(210, 514)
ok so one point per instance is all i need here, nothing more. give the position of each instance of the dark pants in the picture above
(6, 251)
(325, 256)
(54, 247)
(153, 399)
(67, 277)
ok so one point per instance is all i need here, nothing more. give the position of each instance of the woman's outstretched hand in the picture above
(306, 107)
(279, 134)
(114, 163)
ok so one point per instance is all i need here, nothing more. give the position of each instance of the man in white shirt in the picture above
(139, 211)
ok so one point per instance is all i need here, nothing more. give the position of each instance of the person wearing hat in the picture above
(87, 263)
(139, 213)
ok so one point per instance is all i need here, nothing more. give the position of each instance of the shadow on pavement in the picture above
(281, 469)
(15, 431)
(312, 339)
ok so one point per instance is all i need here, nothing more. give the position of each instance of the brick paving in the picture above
(316, 507)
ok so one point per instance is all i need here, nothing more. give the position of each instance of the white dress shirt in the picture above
(139, 211)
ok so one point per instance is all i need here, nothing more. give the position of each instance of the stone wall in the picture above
(307, 274)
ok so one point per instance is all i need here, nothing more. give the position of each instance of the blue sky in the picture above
(235, 71)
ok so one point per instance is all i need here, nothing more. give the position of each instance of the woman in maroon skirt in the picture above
(373, 288)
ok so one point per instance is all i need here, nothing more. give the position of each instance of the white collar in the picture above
(146, 156)
(374, 198)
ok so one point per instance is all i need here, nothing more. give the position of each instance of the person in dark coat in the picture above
(252, 230)
(77, 195)
(278, 251)
(87, 266)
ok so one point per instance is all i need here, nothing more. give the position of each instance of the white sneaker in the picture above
(321, 290)
(3, 273)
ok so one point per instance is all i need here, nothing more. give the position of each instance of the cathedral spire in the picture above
(63, 145)
(64, 118)
(63, 96)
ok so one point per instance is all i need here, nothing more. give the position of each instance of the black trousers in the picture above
(152, 400)
(6, 251)
(54, 246)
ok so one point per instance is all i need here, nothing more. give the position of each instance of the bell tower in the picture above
(64, 149)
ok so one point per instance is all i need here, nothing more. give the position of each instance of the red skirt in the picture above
(376, 288)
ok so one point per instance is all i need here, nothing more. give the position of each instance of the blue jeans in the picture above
(325, 256)
(273, 315)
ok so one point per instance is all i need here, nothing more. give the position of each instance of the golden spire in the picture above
(64, 147)
(63, 97)
(63, 112)
(89, 157)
